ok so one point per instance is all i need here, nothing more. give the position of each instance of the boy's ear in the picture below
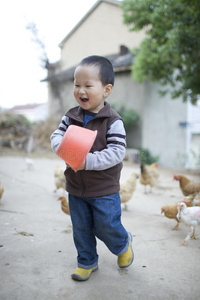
(107, 90)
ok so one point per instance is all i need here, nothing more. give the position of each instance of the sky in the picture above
(20, 66)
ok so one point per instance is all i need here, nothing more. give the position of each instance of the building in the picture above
(160, 128)
(33, 112)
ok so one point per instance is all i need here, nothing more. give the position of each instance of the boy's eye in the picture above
(76, 85)
(88, 86)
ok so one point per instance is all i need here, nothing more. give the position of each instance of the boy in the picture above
(94, 201)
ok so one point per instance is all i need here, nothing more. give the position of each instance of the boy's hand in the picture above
(82, 166)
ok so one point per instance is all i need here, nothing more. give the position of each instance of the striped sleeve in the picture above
(57, 135)
(115, 151)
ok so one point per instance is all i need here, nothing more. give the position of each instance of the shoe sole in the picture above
(131, 239)
(79, 278)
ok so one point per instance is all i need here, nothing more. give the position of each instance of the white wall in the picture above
(36, 114)
(193, 136)
(161, 130)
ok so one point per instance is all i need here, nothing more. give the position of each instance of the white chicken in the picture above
(191, 217)
(29, 163)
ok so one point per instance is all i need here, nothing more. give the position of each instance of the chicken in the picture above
(191, 217)
(1, 191)
(148, 175)
(154, 167)
(64, 204)
(65, 209)
(187, 186)
(58, 171)
(29, 163)
(170, 210)
(196, 200)
(60, 180)
(127, 189)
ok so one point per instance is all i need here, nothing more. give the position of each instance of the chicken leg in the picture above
(191, 235)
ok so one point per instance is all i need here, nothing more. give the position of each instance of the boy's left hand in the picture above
(82, 166)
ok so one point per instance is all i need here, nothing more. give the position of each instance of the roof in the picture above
(112, 2)
(26, 106)
(121, 62)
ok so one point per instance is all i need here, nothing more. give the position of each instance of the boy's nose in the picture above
(81, 91)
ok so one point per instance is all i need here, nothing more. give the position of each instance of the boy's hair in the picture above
(106, 72)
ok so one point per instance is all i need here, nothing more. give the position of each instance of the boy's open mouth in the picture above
(84, 99)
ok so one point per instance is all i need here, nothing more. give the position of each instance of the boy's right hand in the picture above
(82, 166)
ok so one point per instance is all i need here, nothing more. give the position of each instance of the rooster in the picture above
(149, 175)
(187, 186)
(191, 217)
(127, 189)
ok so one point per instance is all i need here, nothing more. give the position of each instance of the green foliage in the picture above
(129, 116)
(170, 54)
(146, 156)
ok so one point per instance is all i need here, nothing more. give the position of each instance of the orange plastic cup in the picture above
(75, 145)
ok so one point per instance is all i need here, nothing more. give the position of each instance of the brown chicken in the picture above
(64, 204)
(196, 200)
(127, 189)
(1, 191)
(149, 175)
(170, 210)
(187, 186)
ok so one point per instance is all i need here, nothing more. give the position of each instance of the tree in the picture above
(40, 44)
(170, 53)
(44, 62)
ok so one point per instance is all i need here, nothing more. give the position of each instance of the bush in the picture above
(146, 157)
(129, 116)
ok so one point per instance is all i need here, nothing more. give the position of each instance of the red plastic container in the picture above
(75, 145)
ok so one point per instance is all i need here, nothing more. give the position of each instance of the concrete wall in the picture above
(193, 135)
(161, 130)
(59, 104)
(131, 95)
(33, 114)
(101, 33)
(194, 154)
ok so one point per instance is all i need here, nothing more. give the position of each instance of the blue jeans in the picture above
(97, 217)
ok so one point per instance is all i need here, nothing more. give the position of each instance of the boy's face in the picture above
(88, 89)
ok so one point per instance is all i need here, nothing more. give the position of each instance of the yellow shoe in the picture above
(126, 259)
(83, 274)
